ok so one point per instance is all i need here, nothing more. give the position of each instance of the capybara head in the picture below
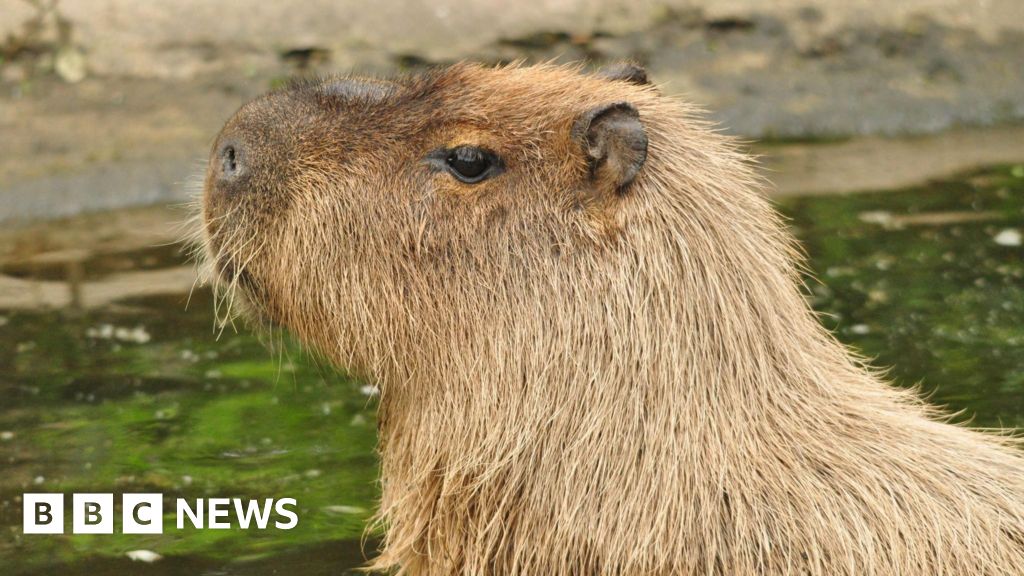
(373, 217)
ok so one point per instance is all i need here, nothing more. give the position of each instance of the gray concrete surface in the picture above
(181, 38)
(112, 103)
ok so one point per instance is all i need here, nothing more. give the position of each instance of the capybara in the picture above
(590, 335)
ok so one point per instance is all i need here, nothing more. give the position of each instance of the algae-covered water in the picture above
(139, 394)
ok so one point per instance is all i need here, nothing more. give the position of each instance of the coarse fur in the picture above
(577, 379)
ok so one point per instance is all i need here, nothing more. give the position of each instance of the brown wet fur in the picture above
(578, 377)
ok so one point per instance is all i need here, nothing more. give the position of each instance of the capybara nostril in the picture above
(230, 168)
(230, 157)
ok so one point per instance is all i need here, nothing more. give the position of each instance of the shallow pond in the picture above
(137, 394)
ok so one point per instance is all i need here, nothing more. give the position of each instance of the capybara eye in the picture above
(471, 164)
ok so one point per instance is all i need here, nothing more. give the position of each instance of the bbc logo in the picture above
(92, 514)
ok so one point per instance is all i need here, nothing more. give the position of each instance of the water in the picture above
(929, 282)
(123, 389)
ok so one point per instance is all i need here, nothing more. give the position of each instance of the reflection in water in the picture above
(135, 393)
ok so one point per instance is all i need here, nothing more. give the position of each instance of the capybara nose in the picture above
(230, 165)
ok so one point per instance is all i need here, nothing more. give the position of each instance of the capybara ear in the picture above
(625, 72)
(615, 145)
